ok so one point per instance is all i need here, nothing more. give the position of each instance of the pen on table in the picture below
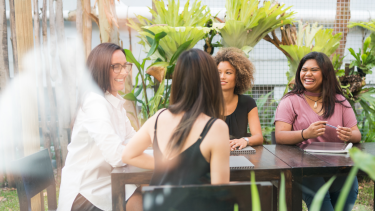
(331, 126)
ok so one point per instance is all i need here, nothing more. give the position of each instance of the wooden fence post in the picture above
(28, 98)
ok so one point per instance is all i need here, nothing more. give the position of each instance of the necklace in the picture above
(316, 101)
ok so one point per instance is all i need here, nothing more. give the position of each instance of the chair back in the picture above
(205, 197)
(32, 175)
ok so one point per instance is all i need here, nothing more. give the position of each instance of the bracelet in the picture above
(302, 135)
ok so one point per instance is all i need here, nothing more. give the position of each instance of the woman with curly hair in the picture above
(236, 76)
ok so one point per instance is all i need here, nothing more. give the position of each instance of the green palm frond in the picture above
(247, 23)
(326, 42)
(180, 26)
(196, 15)
(176, 36)
(367, 25)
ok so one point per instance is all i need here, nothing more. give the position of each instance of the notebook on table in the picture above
(239, 162)
(246, 150)
(326, 147)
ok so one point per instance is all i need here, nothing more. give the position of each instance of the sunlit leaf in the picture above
(282, 200)
(319, 196)
(254, 194)
(246, 23)
(364, 161)
(130, 58)
(345, 190)
(155, 43)
(130, 96)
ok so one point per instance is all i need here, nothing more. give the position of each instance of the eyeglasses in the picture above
(118, 67)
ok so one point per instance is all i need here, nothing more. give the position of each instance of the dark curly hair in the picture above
(244, 68)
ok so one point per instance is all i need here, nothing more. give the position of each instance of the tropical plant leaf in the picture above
(179, 50)
(364, 161)
(156, 99)
(155, 43)
(254, 194)
(176, 36)
(345, 190)
(246, 23)
(130, 96)
(326, 42)
(319, 196)
(282, 200)
(262, 100)
(136, 94)
(130, 58)
(193, 15)
(367, 25)
(136, 82)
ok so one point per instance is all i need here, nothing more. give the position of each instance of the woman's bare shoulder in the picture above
(219, 130)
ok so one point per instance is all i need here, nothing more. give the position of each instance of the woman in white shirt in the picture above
(101, 130)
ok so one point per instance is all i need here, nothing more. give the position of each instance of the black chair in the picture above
(205, 197)
(32, 175)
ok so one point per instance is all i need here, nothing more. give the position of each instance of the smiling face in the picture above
(311, 76)
(227, 76)
(117, 79)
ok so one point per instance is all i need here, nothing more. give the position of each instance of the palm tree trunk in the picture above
(4, 72)
(4, 61)
(62, 109)
(29, 104)
(39, 67)
(87, 26)
(47, 131)
(84, 24)
(13, 37)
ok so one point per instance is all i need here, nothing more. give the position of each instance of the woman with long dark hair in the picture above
(302, 115)
(236, 77)
(101, 130)
(189, 138)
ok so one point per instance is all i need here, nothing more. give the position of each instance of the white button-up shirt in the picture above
(100, 130)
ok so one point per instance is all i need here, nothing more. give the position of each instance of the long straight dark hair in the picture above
(195, 89)
(330, 85)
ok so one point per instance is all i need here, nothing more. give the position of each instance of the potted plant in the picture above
(246, 23)
(164, 38)
(296, 44)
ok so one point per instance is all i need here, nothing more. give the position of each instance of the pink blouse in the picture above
(295, 111)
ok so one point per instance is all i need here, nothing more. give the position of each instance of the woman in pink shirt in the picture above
(302, 115)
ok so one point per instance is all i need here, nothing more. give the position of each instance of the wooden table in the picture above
(305, 164)
(269, 161)
(266, 166)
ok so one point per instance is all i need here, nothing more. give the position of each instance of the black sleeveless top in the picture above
(187, 168)
(238, 121)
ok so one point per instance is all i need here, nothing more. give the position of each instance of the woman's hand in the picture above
(344, 133)
(315, 129)
(237, 143)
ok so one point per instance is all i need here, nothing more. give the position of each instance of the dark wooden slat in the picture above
(51, 197)
(274, 197)
(296, 194)
(41, 201)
